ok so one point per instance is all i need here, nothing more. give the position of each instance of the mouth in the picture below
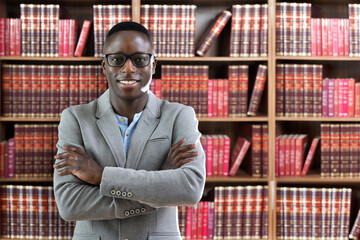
(127, 82)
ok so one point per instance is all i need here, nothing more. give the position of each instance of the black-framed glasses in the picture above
(119, 59)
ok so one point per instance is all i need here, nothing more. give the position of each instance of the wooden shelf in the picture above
(26, 180)
(318, 119)
(320, 58)
(29, 119)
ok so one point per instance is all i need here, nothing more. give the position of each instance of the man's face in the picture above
(128, 82)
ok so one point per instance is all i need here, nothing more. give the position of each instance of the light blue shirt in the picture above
(127, 131)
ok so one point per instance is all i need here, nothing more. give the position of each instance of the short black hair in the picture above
(126, 26)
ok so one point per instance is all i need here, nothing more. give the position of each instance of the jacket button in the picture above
(129, 194)
(132, 212)
(123, 194)
(143, 210)
(118, 193)
(137, 211)
(112, 192)
(127, 213)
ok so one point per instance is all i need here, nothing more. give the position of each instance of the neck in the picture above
(128, 108)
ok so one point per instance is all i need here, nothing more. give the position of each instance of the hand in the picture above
(179, 155)
(75, 161)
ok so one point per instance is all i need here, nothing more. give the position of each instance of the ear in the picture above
(153, 66)
(103, 65)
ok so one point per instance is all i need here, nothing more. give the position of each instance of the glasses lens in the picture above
(116, 59)
(140, 59)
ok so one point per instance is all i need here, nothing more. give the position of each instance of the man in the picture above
(120, 189)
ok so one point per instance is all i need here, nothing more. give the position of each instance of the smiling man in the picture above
(126, 160)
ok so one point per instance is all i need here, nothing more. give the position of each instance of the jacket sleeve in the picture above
(182, 186)
(78, 200)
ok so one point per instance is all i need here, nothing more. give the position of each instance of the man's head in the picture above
(129, 62)
(128, 26)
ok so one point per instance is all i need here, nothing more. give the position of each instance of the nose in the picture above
(128, 66)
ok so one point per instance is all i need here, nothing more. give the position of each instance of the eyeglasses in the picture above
(119, 59)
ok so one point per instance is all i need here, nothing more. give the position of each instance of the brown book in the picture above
(7, 91)
(73, 85)
(85, 30)
(45, 91)
(38, 147)
(239, 151)
(93, 83)
(28, 150)
(325, 149)
(335, 150)
(213, 33)
(344, 149)
(310, 156)
(255, 166)
(258, 90)
(54, 90)
(35, 91)
(219, 212)
(19, 133)
(63, 87)
(264, 150)
(203, 90)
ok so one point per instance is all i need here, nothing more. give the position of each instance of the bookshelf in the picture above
(217, 59)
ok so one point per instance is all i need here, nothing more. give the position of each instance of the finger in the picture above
(183, 148)
(69, 154)
(64, 171)
(183, 162)
(185, 155)
(75, 149)
(175, 146)
(63, 163)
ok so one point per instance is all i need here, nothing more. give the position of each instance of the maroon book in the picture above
(35, 91)
(45, 91)
(325, 149)
(54, 91)
(7, 90)
(258, 90)
(213, 33)
(85, 30)
(63, 87)
(19, 133)
(73, 85)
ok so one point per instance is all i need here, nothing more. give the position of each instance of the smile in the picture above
(128, 82)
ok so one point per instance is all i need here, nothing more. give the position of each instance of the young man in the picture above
(127, 160)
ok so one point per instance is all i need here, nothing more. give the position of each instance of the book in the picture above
(355, 229)
(258, 90)
(213, 33)
(310, 156)
(85, 30)
(239, 151)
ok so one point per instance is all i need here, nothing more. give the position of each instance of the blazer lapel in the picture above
(109, 128)
(146, 125)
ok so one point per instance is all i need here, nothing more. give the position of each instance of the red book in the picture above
(66, 37)
(205, 220)
(2, 36)
(79, 50)
(185, 85)
(73, 26)
(243, 82)
(211, 94)
(61, 38)
(11, 158)
(355, 229)
(226, 156)
(335, 149)
(214, 32)
(300, 144)
(351, 97)
(209, 156)
(258, 90)
(188, 222)
(310, 156)
(264, 150)
(239, 151)
(325, 149)
(215, 155)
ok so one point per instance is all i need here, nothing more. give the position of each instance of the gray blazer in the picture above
(135, 200)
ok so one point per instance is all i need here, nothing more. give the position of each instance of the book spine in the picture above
(264, 150)
(243, 81)
(214, 32)
(335, 149)
(325, 150)
(256, 151)
(85, 30)
(258, 90)
(310, 156)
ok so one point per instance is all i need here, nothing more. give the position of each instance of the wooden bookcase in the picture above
(217, 59)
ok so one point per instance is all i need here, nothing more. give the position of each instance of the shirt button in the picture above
(127, 133)
(122, 119)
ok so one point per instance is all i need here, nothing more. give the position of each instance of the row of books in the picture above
(30, 212)
(217, 152)
(340, 154)
(249, 30)
(293, 29)
(68, 29)
(340, 97)
(39, 30)
(189, 84)
(293, 156)
(30, 153)
(313, 213)
(172, 28)
(104, 17)
(299, 90)
(354, 13)
(45, 90)
(241, 212)
(10, 37)
(197, 222)
(330, 37)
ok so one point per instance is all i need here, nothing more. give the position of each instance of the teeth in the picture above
(128, 82)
